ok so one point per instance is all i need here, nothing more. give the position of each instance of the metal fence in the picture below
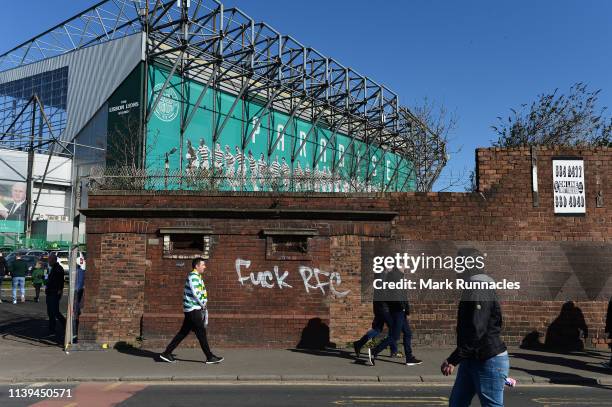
(204, 180)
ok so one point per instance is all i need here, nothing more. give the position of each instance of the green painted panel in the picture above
(245, 142)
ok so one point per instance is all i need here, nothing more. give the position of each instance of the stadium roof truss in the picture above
(226, 49)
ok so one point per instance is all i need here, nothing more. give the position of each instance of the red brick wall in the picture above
(502, 211)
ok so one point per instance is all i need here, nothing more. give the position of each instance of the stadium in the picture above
(189, 95)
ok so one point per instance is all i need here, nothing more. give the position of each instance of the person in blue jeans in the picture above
(481, 354)
(19, 269)
(400, 325)
(398, 307)
(382, 316)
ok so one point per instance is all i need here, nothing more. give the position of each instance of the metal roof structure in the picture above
(225, 48)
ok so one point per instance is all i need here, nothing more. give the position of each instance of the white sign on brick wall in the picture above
(568, 186)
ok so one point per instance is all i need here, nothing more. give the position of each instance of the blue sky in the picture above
(478, 58)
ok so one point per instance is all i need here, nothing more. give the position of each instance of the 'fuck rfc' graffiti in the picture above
(313, 278)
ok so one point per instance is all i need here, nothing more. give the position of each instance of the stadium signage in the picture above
(168, 106)
(124, 107)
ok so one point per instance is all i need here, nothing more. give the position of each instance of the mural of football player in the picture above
(285, 172)
(241, 166)
(317, 179)
(275, 172)
(191, 156)
(307, 184)
(230, 171)
(253, 170)
(262, 168)
(218, 159)
(298, 176)
(204, 155)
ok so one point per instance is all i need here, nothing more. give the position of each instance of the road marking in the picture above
(567, 401)
(111, 386)
(37, 385)
(95, 395)
(377, 400)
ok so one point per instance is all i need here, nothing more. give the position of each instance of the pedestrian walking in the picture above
(78, 300)
(53, 292)
(399, 308)
(38, 276)
(19, 269)
(3, 271)
(481, 354)
(608, 330)
(195, 301)
(382, 316)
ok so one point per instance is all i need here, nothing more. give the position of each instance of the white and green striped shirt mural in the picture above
(255, 142)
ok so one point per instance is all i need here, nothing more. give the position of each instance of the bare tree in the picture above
(124, 148)
(556, 119)
(427, 128)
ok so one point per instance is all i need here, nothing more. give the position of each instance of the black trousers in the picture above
(78, 302)
(53, 311)
(37, 289)
(193, 322)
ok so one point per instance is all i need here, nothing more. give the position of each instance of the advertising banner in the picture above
(568, 186)
(13, 190)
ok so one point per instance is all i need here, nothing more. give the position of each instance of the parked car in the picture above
(63, 258)
(39, 254)
(29, 259)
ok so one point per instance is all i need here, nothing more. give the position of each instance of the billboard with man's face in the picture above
(53, 197)
(12, 207)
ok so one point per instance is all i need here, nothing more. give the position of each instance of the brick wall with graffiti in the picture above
(288, 269)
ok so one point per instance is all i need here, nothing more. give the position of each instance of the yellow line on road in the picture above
(374, 400)
(441, 398)
(111, 386)
(565, 401)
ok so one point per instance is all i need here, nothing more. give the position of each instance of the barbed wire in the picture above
(137, 179)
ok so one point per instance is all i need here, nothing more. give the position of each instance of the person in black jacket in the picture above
(480, 351)
(399, 308)
(608, 330)
(382, 316)
(54, 291)
(3, 272)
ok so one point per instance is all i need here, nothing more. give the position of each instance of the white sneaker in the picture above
(371, 358)
(14, 301)
(22, 298)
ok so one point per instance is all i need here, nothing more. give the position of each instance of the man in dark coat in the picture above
(3, 272)
(399, 308)
(382, 316)
(54, 291)
(608, 330)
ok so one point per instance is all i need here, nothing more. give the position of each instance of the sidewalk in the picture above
(27, 355)
(43, 363)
